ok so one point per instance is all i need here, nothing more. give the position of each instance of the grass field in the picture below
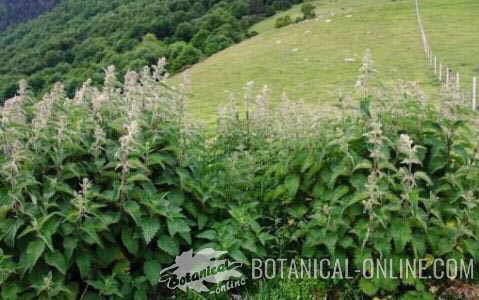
(453, 31)
(312, 60)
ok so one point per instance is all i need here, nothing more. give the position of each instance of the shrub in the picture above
(283, 21)
(99, 192)
(308, 11)
(395, 180)
(92, 194)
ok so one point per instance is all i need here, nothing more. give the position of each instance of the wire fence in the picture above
(446, 75)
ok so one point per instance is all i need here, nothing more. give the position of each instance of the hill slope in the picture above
(77, 39)
(452, 30)
(16, 11)
(313, 59)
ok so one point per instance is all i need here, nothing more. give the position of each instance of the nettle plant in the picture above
(98, 193)
(93, 190)
(395, 178)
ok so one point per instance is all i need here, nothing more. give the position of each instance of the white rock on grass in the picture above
(328, 21)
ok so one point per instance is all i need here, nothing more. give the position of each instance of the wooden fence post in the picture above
(447, 76)
(458, 81)
(474, 92)
(440, 72)
(435, 65)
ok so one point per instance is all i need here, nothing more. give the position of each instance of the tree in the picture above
(184, 31)
(188, 56)
(216, 43)
(240, 9)
(199, 39)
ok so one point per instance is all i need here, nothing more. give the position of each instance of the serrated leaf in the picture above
(401, 234)
(69, 244)
(330, 239)
(129, 241)
(133, 209)
(177, 225)
(339, 193)
(368, 287)
(169, 245)
(32, 254)
(292, 185)
(419, 245)
(150, 227)
(57, 260)
(423, 176)
(10, 291)
(207, 235)
(152, 269)
(83, 262)
(138, 178)
(472, 247)
(90, 230)
(363, 164)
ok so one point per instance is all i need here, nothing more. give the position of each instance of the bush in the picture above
(283, 21)
(91, 197)
(99, 192)
(308, 11)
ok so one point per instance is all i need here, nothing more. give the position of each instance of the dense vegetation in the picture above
(99, 192)
(78, 39)
(16, 11)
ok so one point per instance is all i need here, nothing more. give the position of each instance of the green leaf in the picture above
(419, 245)
(292, 185)
(423, 176)
(401, 233)
(32, 254)
(330, 239)
(133, 209)
(83, 261)
(69, 244)
(363, 164)
(140, 294)
(207, 235)
(129, 241)
(177, 225)
(368, 287)
(239, 256)
(152, 269)
(57, 260)
(138, 178)
(472, 247)
(150, 227)
(169, 245)
(339, 193)
(10, 291)
(91, 230)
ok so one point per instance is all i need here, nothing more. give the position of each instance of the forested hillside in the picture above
(78, 39)
(15, 11)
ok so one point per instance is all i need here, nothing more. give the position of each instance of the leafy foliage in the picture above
(76, 40)
(99, 192)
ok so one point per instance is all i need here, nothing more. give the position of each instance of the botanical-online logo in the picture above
(191, 271)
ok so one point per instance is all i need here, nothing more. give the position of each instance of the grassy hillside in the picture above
(76, 40)
(452, 29)
(313, 59)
